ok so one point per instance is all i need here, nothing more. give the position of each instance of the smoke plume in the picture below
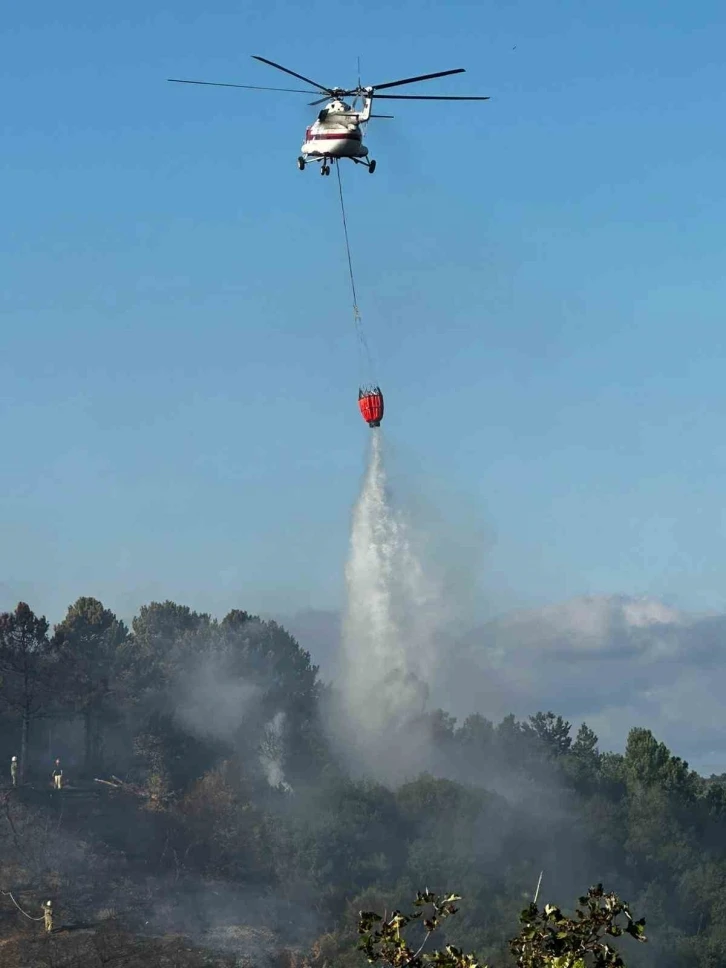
(211, 701)
(271, 753)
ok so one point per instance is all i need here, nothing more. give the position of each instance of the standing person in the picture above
(57, 775)
(14, 770)
(48, 916)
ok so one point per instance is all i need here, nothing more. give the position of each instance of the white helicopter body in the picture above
(337, 133)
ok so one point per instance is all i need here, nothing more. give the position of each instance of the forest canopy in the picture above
(200, 787)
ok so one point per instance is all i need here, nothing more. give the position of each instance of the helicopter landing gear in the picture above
(325, 169)
(301, 163)
(369, 164)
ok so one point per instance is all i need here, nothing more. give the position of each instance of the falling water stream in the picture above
(389, 630)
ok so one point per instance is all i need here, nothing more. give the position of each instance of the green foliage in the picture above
(516, 796)
(585, 745)
(477, 734)
(552, 732)
(648, 762)
(89, 643)
(26, 670)
(547, 939)
(223, 830)
(385, 939)
(268, 655)
(161, 634)
(347, 836)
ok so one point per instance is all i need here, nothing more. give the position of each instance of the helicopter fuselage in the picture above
(333, 141)
(337, 132)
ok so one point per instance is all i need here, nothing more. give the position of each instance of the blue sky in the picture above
(541, 278)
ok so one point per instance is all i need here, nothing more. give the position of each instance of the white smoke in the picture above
(272, 751)
(390, 628)
(211, 701)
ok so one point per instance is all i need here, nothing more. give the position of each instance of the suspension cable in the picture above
(363, 345)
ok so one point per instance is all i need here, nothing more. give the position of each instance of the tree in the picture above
(160, 633)
(267, 654)
(664, 826)
(513, 741)
(477, 733)
(88, 641)
(25, 667)
(585, 745)
(583, 761)
(552, 731)
(264, 654)
(167, 642)
(547, 938)
(388, 943)
(225, 832)
(646, 759)
(443, 728)
(648, 762)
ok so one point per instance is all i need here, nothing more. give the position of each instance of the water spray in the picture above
(389, 628)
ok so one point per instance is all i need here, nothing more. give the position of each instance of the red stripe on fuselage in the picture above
(335, 136)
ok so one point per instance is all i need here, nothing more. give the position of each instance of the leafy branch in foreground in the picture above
(547, 937)
(386, 944)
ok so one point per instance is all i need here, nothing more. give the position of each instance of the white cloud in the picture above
(614, 662)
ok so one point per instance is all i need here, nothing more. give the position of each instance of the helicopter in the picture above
(337, 133)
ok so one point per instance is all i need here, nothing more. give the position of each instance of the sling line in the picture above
(356, 312)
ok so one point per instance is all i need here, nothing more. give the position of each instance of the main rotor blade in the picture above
(300, 77)
(248, 87)
(426, 97)
(420, 77)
